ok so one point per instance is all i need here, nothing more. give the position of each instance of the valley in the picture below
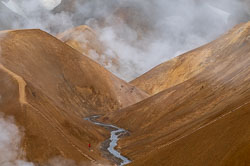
(137, 83)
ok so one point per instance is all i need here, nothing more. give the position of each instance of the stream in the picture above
(115, 133)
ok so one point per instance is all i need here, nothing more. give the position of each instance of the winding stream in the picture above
(114, 138)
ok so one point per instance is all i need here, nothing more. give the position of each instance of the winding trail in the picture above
(114, 138)
(21, 84)
(23, 101)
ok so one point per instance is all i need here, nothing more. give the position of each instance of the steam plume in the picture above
(10, 143)
(143, 33)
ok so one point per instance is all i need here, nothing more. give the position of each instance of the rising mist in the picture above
(141, 33)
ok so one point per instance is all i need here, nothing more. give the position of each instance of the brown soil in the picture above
(48, 87)
(220, 89)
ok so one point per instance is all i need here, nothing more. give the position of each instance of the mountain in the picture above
(202, 111)
(85, 40)
(182, 68)
(175, 71)
(223, 142)
(48, 87)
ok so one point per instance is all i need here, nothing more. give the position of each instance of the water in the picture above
(114, 138)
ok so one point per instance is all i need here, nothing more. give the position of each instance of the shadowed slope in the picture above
(49, 87)
(173, 114)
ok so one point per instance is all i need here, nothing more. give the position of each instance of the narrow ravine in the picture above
(115, 133)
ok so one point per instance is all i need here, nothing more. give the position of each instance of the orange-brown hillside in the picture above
(49, 87)
(85, 40)
(57, 69)
(186, 66)
(203, 118)
(223, 142)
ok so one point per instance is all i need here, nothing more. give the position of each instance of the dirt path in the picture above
(23, 101)
(21, 83)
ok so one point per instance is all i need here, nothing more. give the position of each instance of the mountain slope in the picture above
(181, 110)
(48, 88)
(85, 40)
(184, 67)
(58, 70)
(49, 131)
(230, 133)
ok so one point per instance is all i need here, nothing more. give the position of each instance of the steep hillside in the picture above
(49, 131)
(186, 66)
(85, 40)
(217, 90)
(60, 71)
(48, 87)
(223, 142)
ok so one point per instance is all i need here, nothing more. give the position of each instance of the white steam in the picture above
(142, 33)
(50, 4)
(160, 30)
(11, 153)
(36, 14)
(145, 33)
(47, 4)
(10, 144)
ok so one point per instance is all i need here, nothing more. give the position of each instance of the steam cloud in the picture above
(11, 151)
(156, 31)
(10, 140)
(142, 33)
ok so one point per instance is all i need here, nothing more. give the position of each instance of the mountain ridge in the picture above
(180, 110)
(48, 87)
